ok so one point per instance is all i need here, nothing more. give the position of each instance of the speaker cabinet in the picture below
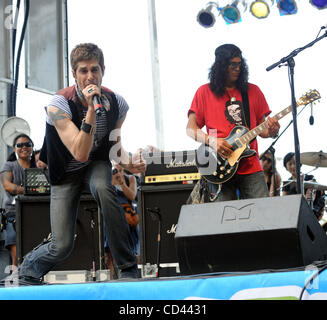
(168, 200)
(248, 235)
(33, 226)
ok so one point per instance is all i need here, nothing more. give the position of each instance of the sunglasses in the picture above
(264, 158)
(24, 144)
(235, 65)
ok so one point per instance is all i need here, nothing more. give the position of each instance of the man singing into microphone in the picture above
(80, 143)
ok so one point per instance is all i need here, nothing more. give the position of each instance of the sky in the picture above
(185, 54)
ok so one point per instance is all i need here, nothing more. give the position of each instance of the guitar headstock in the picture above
(309, 97)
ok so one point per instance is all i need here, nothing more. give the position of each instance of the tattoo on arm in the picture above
(58, 115)
(6, 177)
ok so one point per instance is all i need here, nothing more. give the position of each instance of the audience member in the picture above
(125, 185)
(273, 181)
(289, 187)
(39, 163)
(12, 176)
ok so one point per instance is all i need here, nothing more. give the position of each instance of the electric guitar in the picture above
(218, 170)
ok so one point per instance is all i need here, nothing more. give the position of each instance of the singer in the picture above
(78, 145)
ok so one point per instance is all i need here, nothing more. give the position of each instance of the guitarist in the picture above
(226, 101)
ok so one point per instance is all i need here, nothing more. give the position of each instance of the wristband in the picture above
(87, 128)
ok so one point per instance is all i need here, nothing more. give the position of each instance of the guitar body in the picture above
(216, 169)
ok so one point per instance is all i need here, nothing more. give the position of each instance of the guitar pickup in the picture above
(238, 143)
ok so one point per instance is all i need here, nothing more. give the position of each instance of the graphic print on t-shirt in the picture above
(234, 112)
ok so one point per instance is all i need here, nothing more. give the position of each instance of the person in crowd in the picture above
(12, 177)
(125, 184)
(83, 135)
(314, 197)
(39, 163)
(226, 101)
(289, 187)
(319, 205)
(273, 180)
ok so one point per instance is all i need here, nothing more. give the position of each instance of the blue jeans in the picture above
(63, 213)
(248, 185)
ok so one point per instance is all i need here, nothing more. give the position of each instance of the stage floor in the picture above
(286, 284)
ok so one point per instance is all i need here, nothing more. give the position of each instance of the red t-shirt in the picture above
(221, 117)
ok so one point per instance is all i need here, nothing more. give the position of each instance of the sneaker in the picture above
(130, 273)
(15, 280)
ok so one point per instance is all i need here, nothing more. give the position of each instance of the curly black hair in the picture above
(219, 69)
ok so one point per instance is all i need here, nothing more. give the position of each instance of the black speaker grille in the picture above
(33, 226)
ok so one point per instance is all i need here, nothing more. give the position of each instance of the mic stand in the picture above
(291, 63)
(272, 150)
(92, 212)
(156, 213)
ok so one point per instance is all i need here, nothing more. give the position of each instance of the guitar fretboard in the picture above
(246, 138)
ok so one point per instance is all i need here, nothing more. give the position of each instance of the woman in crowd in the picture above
(12, 177)
(273, 181)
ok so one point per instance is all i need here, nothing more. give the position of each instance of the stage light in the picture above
(206, 17)
(260, 9)
(287, 7)
(231, 14)
(319, 4)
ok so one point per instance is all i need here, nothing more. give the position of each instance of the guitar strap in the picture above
(246, 107)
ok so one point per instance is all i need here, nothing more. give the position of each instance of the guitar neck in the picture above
(249, 136)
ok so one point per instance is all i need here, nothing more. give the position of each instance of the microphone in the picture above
(311, 119)
(97, 104)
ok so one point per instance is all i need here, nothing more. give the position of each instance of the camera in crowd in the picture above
(114, 171)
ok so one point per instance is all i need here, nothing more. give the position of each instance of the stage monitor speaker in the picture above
(33, 226)
(249, 235)
(168, 199)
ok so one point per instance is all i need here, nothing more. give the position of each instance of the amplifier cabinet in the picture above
(170, 167)
(33, 226)
(167, 200)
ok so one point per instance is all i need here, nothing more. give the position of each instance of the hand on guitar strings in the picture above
(224, 149)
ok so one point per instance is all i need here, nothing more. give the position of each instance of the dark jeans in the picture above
(63, 213)
(249, 185)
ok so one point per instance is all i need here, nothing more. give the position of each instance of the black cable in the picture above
(12, 111)
(13, 47)
(15, 32)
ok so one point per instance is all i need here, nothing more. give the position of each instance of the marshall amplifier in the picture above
(170, 167)
(36, 182)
